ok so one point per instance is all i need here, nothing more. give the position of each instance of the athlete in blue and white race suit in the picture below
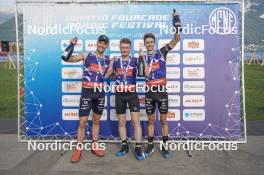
(155, 72)
(124, 68)
(92, 98)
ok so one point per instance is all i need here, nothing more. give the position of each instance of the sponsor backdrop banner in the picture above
(203, 70)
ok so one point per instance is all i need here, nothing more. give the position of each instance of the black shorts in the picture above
(124, 98)
(91, 100)
(153, 98)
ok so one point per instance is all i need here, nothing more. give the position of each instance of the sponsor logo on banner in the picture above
(114, 45)
(113, 116)
(71, 100)
(90, 45)
(193, 86)
(73, 114)
(174, 101)
(193, 115)
(141, 100)
(173, 115)
(223, 21)
(173, 72)
(71, 73)
(163, 42)
(139, 43)
(71, 86)
(193, 100)
(70, 114)
(173, 59)
(193, 58)
(193, 72)
(173, 86)
(193, 44)
(78, 47)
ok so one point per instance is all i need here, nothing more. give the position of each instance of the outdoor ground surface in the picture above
(254, 85)
(15, 159)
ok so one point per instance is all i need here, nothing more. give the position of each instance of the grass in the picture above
(254, 89)
(8, 92)
(254, 84)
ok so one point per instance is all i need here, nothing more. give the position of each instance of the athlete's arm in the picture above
(165, 49)
(77, 58)
(110, 69)
(174, 41)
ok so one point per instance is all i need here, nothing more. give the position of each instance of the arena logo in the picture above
(223, 21)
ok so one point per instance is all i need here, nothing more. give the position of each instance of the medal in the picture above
(126, 70)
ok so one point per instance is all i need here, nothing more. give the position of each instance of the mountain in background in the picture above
(254, 23)
(6, 13)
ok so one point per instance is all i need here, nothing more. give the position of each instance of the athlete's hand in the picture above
(176, 22)
(112, 61)
(141, 53)
(73, 41)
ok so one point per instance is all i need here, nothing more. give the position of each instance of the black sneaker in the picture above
(138, 153)
(150, 149)
(124, 150)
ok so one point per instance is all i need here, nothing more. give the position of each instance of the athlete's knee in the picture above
(151, 120)
(96, 119)
(122, 123)
(163, 121)
(136, 122)
(82, 123)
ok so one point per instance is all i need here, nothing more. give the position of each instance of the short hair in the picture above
(149, 35)
(125, 40)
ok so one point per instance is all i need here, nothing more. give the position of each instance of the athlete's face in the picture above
(149, 44)
(101, 46)
(125, 49)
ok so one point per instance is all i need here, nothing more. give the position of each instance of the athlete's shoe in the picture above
(150, 150)
(138, 153)
(124, 150)
(165, 153)
(76, 155)
(96, 150)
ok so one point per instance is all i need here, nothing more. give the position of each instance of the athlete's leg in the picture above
(84, 110)
(81, 129)
(164, 124)
(151, 121)
(137, 126)
(121, 105)
(163, 109)
(98, 107)
(150, 104)
(96, 126)
(122, 126)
